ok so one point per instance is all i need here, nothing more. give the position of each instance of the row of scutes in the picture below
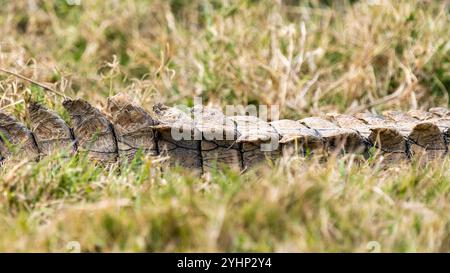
(126, 127)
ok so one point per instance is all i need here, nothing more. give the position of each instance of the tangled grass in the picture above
(308, 57)
(298, 205)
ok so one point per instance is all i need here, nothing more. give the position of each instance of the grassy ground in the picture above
(308, 58)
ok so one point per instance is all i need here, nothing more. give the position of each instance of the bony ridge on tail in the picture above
(204, 138)
(216, 139)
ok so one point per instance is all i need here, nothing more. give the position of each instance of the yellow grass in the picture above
(307, 57)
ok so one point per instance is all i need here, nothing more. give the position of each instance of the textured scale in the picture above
(352, 123)
(441, 122)
(258, 138)
(385, 137)
(51, 132)
(92, 130)
(219, 135)
(177, 137)
(440, 111)
(297, 139)
(337, 139)
(421, 115)
(426, 140)
(210, 139)
(444, 126)
(133, 127)
(14, 134)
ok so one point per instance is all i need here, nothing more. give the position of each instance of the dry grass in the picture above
(297, 205)
(307, 58)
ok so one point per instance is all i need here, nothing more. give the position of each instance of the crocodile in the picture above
(204, 138)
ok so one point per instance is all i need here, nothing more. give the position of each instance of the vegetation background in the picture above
(308, 57)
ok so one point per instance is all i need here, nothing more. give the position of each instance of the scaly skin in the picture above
(215, 140)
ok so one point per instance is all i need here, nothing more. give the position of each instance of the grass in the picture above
(308, 57)
(299, 205)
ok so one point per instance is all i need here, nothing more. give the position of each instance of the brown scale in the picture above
(15, 135)
(389, 142)
(92, 130)
(441, 120)
(214, 139)
(259, 140)
(177, 137)
(350, 122)
(426, 139)
(133, 127)
(51, 132)
(421, 115)
(219, 135)
(337, 139)
(440, 111)
(297, 139)
(384, 136)
(438, 115)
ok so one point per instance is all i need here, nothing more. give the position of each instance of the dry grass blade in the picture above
(33, 82)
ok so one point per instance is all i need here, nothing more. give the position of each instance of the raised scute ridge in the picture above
(203, 138)
(93, 131)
